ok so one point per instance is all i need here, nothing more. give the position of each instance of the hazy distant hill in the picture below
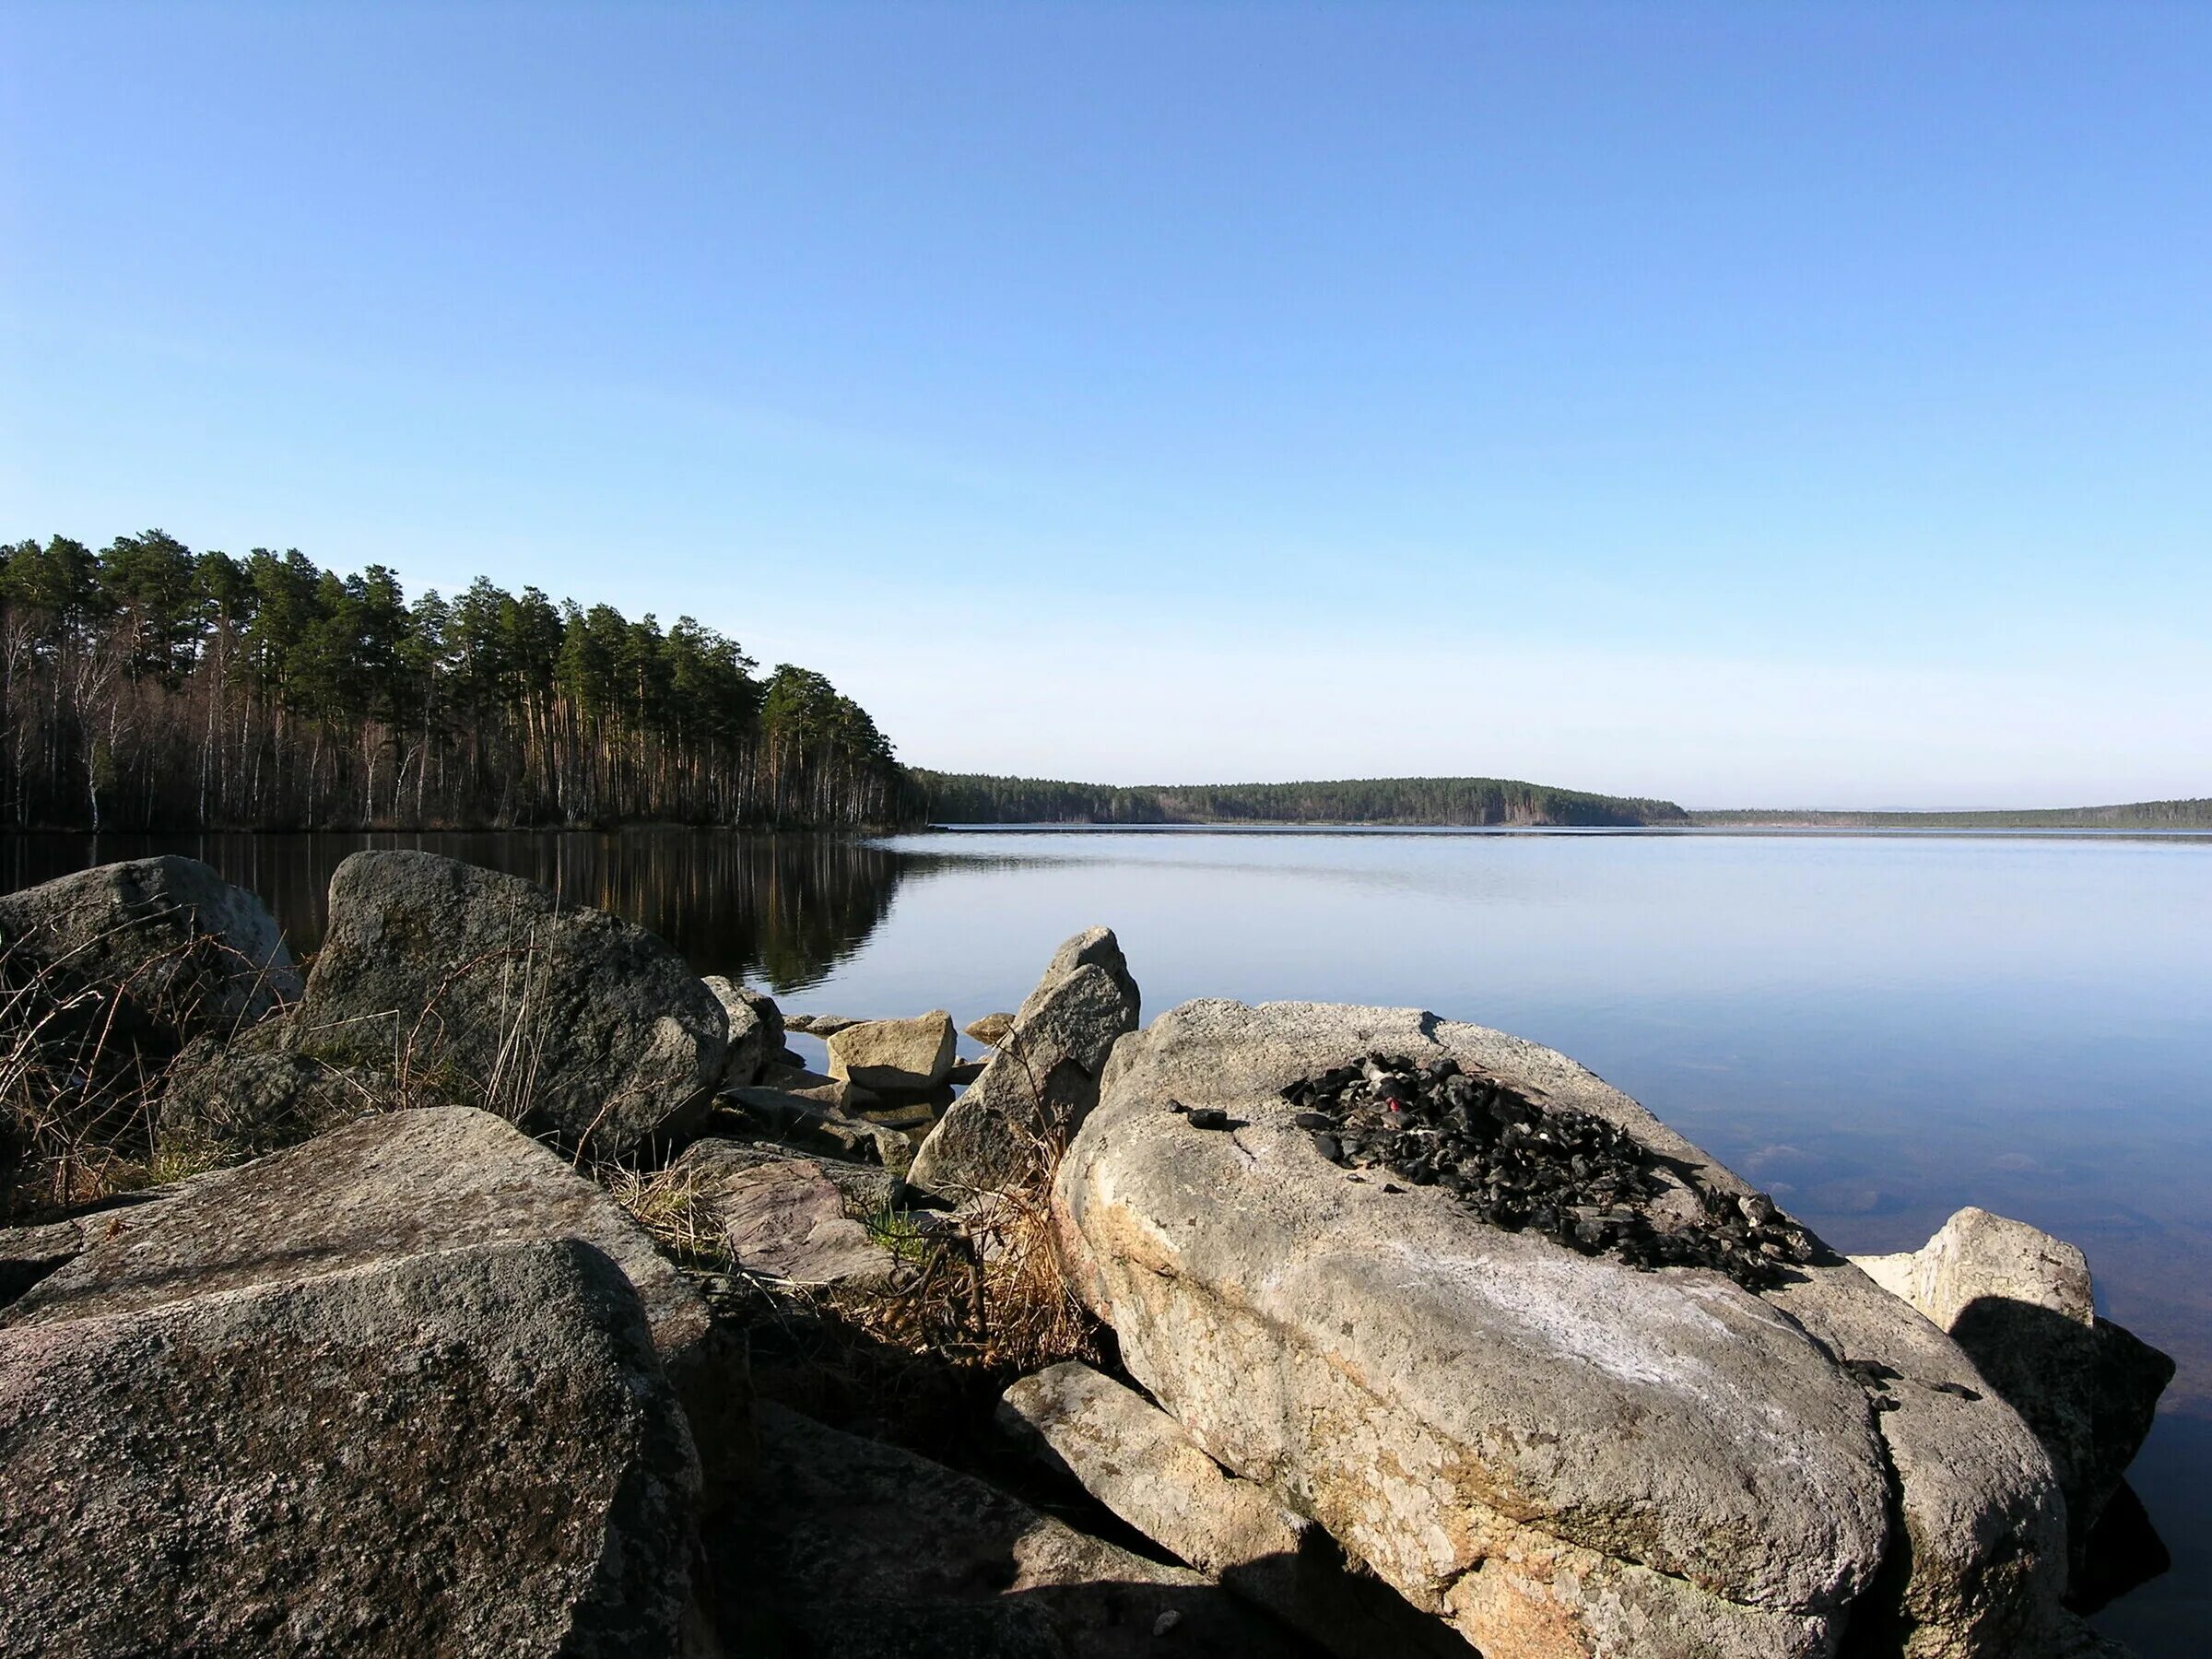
(2132, 815)
(972, 798)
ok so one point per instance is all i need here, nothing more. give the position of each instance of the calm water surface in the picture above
(1877, 1029)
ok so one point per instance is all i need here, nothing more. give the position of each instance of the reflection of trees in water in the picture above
(782, 909)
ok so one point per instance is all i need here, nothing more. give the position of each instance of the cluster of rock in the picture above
(419, 1383)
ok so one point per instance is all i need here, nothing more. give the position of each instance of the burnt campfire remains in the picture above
(1577, 1179)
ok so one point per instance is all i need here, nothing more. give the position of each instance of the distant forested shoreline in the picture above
(2131, 815)
(979, 798)
(148, 687)
(975, 798)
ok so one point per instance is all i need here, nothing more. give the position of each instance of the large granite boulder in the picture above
(491, 990)
(2022, 1305)
(755, 1029)
(170, 948)
(396, 1186)
(1556, 1451)
(466, 1452)
(857, 1547)
(895, 1056)
(1043, 1078)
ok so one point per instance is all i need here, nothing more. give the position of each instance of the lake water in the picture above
(1877, 1029)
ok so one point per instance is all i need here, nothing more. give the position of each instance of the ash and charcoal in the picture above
(1576, 1179)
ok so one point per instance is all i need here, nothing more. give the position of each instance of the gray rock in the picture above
(1142, 1465)
(867, 1189)
(173, 947)
(991, 1030)
(1093, 948)
(856, 1548)
(1542, 1447)
(222, 1103)
(906, 1114)
(1977, 1255)
(823, 1025)
(29, 1254)
(895, 1056)
(380, 1190)
(755, 1029)
(835, 1094)
(811, 1124)
(470, 1452)
(566, 1017)
(2021, 1304)
(786, 1220)
(1139, 1463)
(1043, 1079)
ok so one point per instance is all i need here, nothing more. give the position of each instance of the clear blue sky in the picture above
(1747, 403)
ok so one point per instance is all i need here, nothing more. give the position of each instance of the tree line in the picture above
(2196, 814)
(972, 798)
(148, 687)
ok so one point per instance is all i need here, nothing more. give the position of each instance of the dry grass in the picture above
(990, 1298)
(82, 1062)
(669, 1206)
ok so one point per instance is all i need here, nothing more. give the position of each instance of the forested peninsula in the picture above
(148, 687)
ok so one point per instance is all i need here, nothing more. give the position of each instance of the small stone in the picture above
(1209, 1117)
(991, 1030)
(1166, 1622)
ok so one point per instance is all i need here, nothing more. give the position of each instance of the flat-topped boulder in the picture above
(895, 1056)
(1554, 1451)
(167, 945)
(585, 1025)
(461, 1451)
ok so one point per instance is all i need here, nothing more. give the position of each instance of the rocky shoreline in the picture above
(499, 1284)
